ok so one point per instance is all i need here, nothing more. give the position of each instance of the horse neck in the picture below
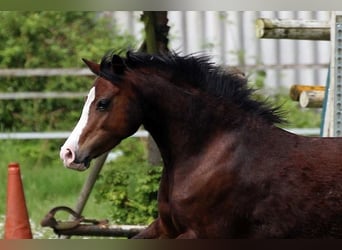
(180, 122)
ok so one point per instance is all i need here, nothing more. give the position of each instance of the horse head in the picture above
(110, 114)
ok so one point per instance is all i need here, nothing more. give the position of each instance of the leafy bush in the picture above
(130, 185)
(50, 39)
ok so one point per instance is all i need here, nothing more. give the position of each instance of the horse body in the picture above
(229, 172)
(253, 188)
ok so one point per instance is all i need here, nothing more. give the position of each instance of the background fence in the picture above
(229, 36)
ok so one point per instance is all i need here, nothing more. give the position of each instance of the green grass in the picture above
(47, 183)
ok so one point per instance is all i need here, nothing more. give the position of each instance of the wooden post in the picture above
(156, 41)
(156, 32)
(296, 90)
(311, 99)
(90, 182)
(292, 29)
(88, 185)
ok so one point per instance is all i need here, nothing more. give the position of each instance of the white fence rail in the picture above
(45, 72)
(140, 134)
(40, 95)
(49, 135)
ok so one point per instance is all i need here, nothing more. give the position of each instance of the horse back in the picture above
(299, 183)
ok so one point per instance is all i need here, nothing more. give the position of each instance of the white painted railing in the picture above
(48, 135)
(140, 133)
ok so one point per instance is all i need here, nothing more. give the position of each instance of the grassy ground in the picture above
(46, 182)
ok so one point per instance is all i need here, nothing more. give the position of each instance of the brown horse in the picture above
(229, 171)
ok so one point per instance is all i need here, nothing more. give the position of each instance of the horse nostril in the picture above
(67, 155)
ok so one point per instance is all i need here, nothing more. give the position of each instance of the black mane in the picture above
(203, 74)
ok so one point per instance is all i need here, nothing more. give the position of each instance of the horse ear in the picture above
(94, 67)
(118, 64)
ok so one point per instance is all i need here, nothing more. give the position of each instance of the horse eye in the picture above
(103, 104)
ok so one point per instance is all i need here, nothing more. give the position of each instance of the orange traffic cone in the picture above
(17, 224)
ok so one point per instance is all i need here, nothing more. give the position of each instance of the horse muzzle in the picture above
(70, 160)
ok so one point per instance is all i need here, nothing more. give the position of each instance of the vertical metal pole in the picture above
(315, 51)
(242, 49)
(223, 39)
(184, 23)
(338, 77)
(297, 73)
(329, 103)
(278, 57)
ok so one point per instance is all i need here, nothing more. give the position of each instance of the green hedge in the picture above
(50, 39)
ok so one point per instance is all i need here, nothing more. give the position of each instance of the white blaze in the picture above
(71, 144)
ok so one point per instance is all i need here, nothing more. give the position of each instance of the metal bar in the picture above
(184, 30)
(45, 72)
(297, 72)
(258, 46)
(64, 135)
(329, 110)
(277, 59)
(107, 231)
(304, 131)
(33, 135)
(40, 95)
(338, 77)
(315, 51)
(223, 35)
(49, 135)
